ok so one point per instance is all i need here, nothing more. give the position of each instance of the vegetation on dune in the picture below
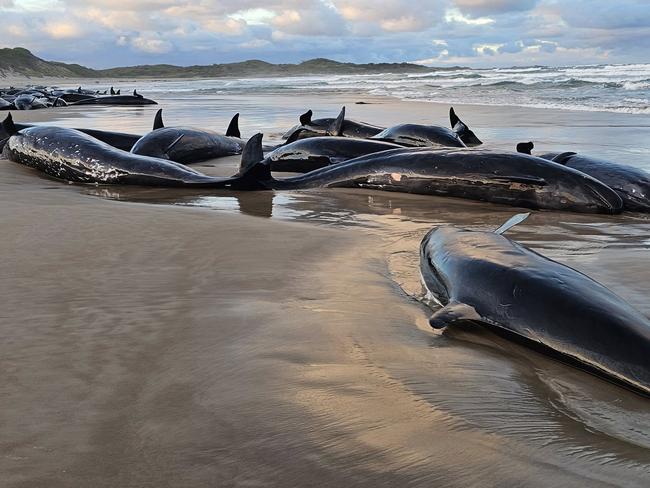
(20, 61)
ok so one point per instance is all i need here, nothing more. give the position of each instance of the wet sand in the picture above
(171, 338)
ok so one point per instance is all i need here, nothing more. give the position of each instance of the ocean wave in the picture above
(614, 88)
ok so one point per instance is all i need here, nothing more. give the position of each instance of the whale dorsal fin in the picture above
(336, 127)
(511, 222)
(112, 91)
(462, 130)
(8, 125)
(562, 158)
(305, 119)
(252, 153)
(233, 127)
(253, 172)
(525, 147)
(294, 136)
(453, 118)
(158, 120)
(453, 312)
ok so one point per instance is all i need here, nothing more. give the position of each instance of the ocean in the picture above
(610, 88)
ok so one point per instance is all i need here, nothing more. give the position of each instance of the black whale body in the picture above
(485, 278)
(408, 135)
(116, 100)
(118, 140)
(498, 177)
(631, 183)
(187, 145)
(338, 126)
(417, 135)
(73, 156)
(306, 155)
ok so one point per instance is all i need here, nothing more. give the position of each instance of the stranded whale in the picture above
(339, 126)
(485, 278)
(419, 135)
(187, 145)
(498, 177)
(632, 184)
(71, 155)
(304, 155)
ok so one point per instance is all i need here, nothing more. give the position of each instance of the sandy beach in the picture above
(157, 337)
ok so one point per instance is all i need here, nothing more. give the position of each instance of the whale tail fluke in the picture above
(305, 119)
(253, 173)
(525, 147)
(158, 120)
(233, 127)
(511, 222)
(460, 128)
(336, 127)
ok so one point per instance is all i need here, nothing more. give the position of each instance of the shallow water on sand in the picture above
(157, 337)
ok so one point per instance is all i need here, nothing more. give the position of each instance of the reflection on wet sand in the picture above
(539, 393)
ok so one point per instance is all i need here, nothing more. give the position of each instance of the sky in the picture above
(477, 33)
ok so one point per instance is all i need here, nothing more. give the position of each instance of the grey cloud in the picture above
(479, 8)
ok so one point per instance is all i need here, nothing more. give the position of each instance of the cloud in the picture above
(104, 33)
(63, 30)
(606, 15)
(478, 8)
(151, 43)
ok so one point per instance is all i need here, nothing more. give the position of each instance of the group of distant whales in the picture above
(42, 97)
(587, 325)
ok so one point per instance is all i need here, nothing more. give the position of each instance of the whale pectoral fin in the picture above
(453, 312)
(171, 146)
(526, 180)
(305, 119)
(511, 222)
(233, 127)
